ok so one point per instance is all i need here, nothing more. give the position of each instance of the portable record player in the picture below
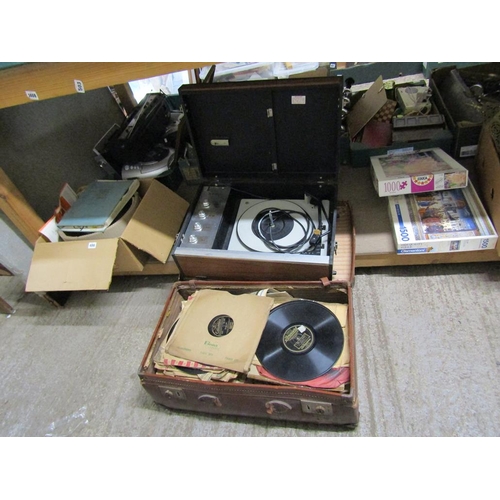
(268, 160)
(266, 220)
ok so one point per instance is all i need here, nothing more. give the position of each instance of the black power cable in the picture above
(271, 216)
(273, 223)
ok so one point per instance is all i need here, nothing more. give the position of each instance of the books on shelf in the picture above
(417, 172)
(441, 221)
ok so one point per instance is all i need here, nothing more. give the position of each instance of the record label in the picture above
(302, 340)
(298, 338)
(221, 325)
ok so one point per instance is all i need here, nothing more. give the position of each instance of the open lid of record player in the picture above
(268, 129)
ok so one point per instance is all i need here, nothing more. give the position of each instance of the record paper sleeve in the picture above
(220, 329)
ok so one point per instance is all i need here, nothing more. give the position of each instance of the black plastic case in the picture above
(276, 139)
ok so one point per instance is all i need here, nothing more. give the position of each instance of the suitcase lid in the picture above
(269, 130)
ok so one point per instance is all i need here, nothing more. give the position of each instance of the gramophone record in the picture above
(301, 341)
(218, 328)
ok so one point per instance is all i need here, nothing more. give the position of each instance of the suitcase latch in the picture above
(172, 392)
(318, 408)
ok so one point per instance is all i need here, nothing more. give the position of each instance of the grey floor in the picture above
(428, 360)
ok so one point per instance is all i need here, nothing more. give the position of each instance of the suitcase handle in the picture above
(277, 406)
(208, 398)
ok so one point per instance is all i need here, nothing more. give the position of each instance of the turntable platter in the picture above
(276, 226)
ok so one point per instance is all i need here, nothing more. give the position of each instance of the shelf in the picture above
(55, 79)
(374, 241)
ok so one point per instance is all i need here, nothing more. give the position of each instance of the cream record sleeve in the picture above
(220, 329)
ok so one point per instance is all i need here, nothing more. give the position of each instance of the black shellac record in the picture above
(301, 341)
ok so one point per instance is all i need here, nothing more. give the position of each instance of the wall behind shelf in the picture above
(47, 143)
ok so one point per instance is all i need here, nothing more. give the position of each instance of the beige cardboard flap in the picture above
(157, 221)
(488, 168)
(367, 107)
(72, 265)
(128, 259)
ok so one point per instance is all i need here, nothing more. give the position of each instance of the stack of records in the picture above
(268, 337)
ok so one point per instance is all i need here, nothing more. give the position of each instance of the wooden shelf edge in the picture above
(56, 79)
(392, 259)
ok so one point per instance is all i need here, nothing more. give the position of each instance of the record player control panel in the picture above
(207, 216)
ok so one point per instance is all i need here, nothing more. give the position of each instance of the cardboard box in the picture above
(488, 170)
(90, 264)
(365, 105)
(360, 153)
(464, 115)
(440, 222)
(417, 172)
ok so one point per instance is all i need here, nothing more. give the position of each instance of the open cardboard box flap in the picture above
(488, 168)
(90, 265)
(367, 107)
(65, 266)
(156, 222)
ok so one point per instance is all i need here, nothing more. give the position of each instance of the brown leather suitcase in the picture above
(253, 398)
(270, 140)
